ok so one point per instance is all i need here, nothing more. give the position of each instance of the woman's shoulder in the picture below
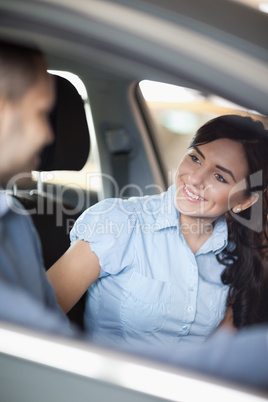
(135, 205)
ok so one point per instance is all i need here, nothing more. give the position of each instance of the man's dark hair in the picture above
(19, 69)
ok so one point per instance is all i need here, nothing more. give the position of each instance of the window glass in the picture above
(177, 113)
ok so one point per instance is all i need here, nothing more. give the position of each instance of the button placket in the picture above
(192, 294)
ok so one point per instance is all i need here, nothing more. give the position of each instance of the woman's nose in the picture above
(197, 179)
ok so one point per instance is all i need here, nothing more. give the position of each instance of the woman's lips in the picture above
(192, 196)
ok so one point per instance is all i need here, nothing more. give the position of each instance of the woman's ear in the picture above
(246, 203)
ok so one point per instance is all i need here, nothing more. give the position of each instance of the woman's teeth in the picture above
(194, 196)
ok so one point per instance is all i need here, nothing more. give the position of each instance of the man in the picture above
(26, 98)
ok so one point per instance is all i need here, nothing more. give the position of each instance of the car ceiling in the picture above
(214, 50)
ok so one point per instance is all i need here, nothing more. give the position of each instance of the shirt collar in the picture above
(4, 207)
(168, 215)
(219, 236)
(218, 240)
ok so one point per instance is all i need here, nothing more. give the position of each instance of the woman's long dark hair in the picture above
(247, 231)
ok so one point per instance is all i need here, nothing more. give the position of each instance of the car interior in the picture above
(55, 207)
(112, 141)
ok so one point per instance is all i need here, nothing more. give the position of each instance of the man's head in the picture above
(26, 98)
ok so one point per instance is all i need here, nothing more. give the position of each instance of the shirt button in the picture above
(185, 327)
(190, 308)
(191, 288)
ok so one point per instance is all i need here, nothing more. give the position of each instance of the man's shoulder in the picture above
(17, 218)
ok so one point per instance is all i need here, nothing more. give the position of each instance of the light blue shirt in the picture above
(152, 287)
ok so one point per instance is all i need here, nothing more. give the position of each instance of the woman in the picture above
(164, 268)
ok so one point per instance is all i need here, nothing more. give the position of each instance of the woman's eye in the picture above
(220, 178)
(194, 158)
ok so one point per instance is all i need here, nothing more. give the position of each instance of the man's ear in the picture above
(246, 203)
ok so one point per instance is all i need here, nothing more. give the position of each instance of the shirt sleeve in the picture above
(109, 228)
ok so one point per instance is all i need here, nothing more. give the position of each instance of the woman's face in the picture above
(209, 179)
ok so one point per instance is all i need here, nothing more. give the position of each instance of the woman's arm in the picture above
(74, 273)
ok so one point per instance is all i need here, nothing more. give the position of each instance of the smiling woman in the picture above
(229, 141)
(164, 268)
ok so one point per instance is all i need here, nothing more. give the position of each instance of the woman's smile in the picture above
(192, 196)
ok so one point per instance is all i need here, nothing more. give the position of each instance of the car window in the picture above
(177, 112)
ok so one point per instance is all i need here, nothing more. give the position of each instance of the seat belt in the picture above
(120, 146)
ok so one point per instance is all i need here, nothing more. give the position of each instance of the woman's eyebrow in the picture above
(226, 171)
(198, 151)
(217, 166)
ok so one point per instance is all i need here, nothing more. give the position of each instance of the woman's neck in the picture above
(196, 231)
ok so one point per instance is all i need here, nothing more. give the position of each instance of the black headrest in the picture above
(70, 149)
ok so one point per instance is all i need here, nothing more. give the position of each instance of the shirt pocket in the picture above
(146, 304)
